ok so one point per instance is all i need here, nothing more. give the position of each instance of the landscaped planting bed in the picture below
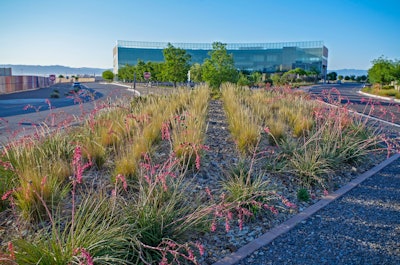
(175, 178)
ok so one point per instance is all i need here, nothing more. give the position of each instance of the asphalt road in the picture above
(21, 113)
(348, 94)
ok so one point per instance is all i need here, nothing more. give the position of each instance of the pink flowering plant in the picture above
(125, 186)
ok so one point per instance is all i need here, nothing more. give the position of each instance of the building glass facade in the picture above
(264, 57)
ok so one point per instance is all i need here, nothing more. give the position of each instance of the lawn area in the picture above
(385, 91)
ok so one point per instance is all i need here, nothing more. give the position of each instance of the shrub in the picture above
(388, 92)
(303, 195)
(55, 94)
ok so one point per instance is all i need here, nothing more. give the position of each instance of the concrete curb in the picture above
(292, 222)
(127, 86)
(380, 97)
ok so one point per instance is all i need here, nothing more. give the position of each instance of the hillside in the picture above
(349, 72)
(45, 70)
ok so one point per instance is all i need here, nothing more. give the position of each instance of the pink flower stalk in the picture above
(165, 131)
(7, 195)
(77, 164)
(200, 247)
(289, 204)
(240, 222)
(197, 161)
(27, 107)
(48, 103)
(122, 178)
(271, 208)
(213, 226)
(208, 191)
(147, 178)
(164, 261)
(191, 254)
(175, 253)
(44, 181)
(6, 165)
(11, 250)
(227, 226)
(84, 254)
(163, 180)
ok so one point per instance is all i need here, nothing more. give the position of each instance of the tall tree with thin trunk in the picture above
(176, 64)
(219, 67)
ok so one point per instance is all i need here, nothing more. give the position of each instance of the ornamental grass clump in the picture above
(144, 131)
(336, 138)
(242, 124)
(188, 127)
(162, 210)
(313, 139)
(243, 187)
(97, 229)
(32, 158)
(93, 232)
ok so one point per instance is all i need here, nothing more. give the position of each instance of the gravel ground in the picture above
(362, 227)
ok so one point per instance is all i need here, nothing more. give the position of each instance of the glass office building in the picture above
(264, 57)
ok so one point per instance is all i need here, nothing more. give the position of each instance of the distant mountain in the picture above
(45, 70)
(349, 72)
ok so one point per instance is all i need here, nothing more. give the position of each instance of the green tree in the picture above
(276, 79)
(381, 71)
(288, 77)
(126, 73)
(176, 64)
(195, 73)
(363, 78)
(255, 78)
(139, 69)
(340, 77)
(332, 76)
(108, 75)
(396, 70)
(314, 73)
(156, 70)
(219, 67)
(298, 71)
(243, 80)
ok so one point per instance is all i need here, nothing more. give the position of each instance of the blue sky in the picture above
(82, 33)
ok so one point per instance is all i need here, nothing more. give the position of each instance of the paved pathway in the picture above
(361, 227)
